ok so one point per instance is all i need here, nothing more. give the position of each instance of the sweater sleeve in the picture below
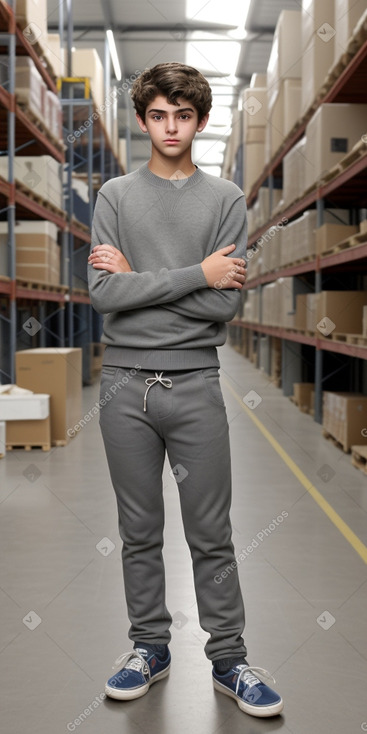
(111, 292)
(219, 304)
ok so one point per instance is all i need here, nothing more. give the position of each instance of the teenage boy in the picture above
(166, 268)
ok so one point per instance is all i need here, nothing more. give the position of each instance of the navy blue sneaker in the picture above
(252, 695)
(137, 670)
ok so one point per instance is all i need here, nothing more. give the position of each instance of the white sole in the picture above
(129, 695)
(258, 711)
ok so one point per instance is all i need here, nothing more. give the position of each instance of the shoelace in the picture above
(247, 675)
(132, 661)
(150, 381)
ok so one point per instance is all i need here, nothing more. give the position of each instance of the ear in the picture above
(141, 123)
(202, 123)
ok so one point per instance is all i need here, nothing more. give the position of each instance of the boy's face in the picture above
(171, 128)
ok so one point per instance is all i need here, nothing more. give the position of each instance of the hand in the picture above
(107, 257)
(222, 271)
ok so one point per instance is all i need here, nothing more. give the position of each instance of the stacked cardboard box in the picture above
(364, 321)
(30, 89)
(271, 249)
(343, 308)
(311, 312)
(279, 301)
(37, 251)
(59, 373)
(40, 173)
(283, 115)
(345, 417)
(317, 47)
(346, 16)
(303, 395)
(55, 56)
(254, 116)
(86, 63)
(328, 235)
(331, 133)
(295, 171)
(251, 309)
(283, 80)
(27, 417)
(298, 240)
(32, 17)
(299, 237)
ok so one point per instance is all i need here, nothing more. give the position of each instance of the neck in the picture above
(178, 167)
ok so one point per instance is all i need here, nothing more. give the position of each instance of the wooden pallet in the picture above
(28, 446)
(336, 337)
(39, 199)
(359, 458)
(38, 286)
(344, 245)
(40, 124)
(302, 408)
(357, 339)
(337, 444)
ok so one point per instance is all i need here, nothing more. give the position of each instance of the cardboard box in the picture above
(316, 18)
(37, 251)
(24, 407)
(289, 289)
(296, 170)
(328, 235)
(251, 309)
(253, 164)
(54, 55)
(30, 89)
(86, 63)
(300, 321)
(258, 80)
(330, 135)
(59, 373)
(346, 16)
(40, 173)
(303, 394)
(285, 57)
(29, 433)
(317, 58)
(254, 102)
(344, 309)
(311, 312)
(364, 321)
(32, 17)
(344, 417)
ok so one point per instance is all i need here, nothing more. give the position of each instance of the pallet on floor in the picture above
(28, 446)
(359, 458)
(338, 444)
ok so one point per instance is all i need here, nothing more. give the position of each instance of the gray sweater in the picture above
(163, 315)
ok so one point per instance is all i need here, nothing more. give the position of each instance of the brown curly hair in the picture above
(172, 80)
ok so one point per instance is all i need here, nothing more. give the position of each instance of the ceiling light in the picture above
(114, 56)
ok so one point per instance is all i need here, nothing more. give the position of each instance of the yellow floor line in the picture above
(342, 526)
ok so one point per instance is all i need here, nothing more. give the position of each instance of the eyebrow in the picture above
(181, 109)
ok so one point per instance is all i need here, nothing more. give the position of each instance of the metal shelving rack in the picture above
(347, 189)
(64, 311)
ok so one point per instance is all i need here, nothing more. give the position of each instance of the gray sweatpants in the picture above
(189, 421)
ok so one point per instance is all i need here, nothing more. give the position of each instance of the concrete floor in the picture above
(63, 615)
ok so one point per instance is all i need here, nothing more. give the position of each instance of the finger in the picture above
(228, 248)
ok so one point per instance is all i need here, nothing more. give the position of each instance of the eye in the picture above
(184, 116)
(157, 117)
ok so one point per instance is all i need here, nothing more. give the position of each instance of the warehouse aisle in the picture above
(63, 616)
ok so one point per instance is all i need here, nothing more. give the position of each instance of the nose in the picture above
(171, 124)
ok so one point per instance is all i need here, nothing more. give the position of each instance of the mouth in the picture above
(171, 140)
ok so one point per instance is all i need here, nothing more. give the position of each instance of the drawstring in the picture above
(165, 381)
